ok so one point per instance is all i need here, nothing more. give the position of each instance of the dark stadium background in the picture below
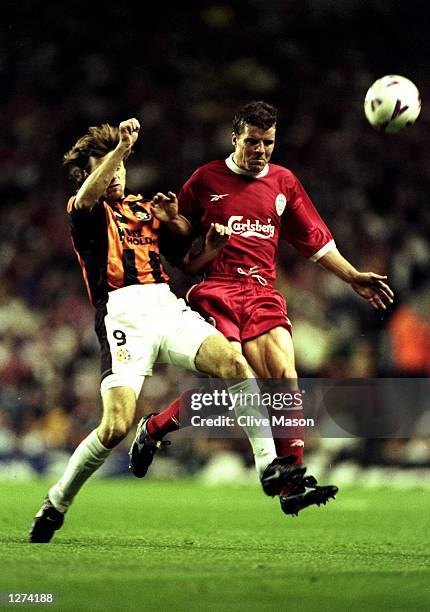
(183, 72)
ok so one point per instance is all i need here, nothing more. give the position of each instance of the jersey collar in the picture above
(231, 164)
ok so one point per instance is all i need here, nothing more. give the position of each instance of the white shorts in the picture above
(142, 325)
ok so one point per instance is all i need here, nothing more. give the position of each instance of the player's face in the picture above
(115, 189)
(253, 147)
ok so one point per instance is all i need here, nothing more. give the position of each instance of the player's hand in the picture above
(373, 288)
(128, 132)
(217, 236)
(165, 207)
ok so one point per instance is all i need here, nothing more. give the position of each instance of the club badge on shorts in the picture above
(123, 355)
(280, 202)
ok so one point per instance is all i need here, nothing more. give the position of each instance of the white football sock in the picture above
(245, 397)
(87, 458)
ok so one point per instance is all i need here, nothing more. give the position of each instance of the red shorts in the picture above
(240, 309)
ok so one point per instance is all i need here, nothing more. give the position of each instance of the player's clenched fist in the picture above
(128, 132)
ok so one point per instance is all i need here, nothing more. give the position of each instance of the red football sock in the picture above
(295, 442)
(171, 417)
(290, 446)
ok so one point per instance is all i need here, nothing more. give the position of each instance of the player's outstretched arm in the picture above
(369, 285)
(97, 182)
(216, 238)
(165, 209)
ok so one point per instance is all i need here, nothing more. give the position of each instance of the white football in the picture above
(392, 103)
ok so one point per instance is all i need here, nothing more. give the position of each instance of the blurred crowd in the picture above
(184, 74)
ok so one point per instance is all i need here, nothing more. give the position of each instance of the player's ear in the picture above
(234, 139)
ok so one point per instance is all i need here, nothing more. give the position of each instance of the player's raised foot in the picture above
(143, 449)
(306, 493)
(46, 522)
(281, 473)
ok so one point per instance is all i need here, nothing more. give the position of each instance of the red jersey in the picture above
(117, 245)
(259, 210)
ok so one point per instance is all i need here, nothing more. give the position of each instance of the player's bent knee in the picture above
(112, 433)
(216, 357)
(289, 374)
(119, 406)
(238, 366)
(233, 365)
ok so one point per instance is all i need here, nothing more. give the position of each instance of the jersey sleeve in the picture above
(302, 226)
(84, 224)
(188, 202)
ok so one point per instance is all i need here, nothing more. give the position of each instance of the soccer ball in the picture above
(392, 102)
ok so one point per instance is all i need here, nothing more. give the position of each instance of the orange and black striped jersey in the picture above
(117, 245)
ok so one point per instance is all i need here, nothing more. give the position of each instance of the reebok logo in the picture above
(297, 443)
(216, 197)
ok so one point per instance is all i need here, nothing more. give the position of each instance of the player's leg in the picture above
(271, 355)
(119, 405)
(178, 413)
(123, 358)
(216, 357)
(153, 427)
(220, 358)
(192, 343)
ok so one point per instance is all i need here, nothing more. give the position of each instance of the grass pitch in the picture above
(159, 546)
